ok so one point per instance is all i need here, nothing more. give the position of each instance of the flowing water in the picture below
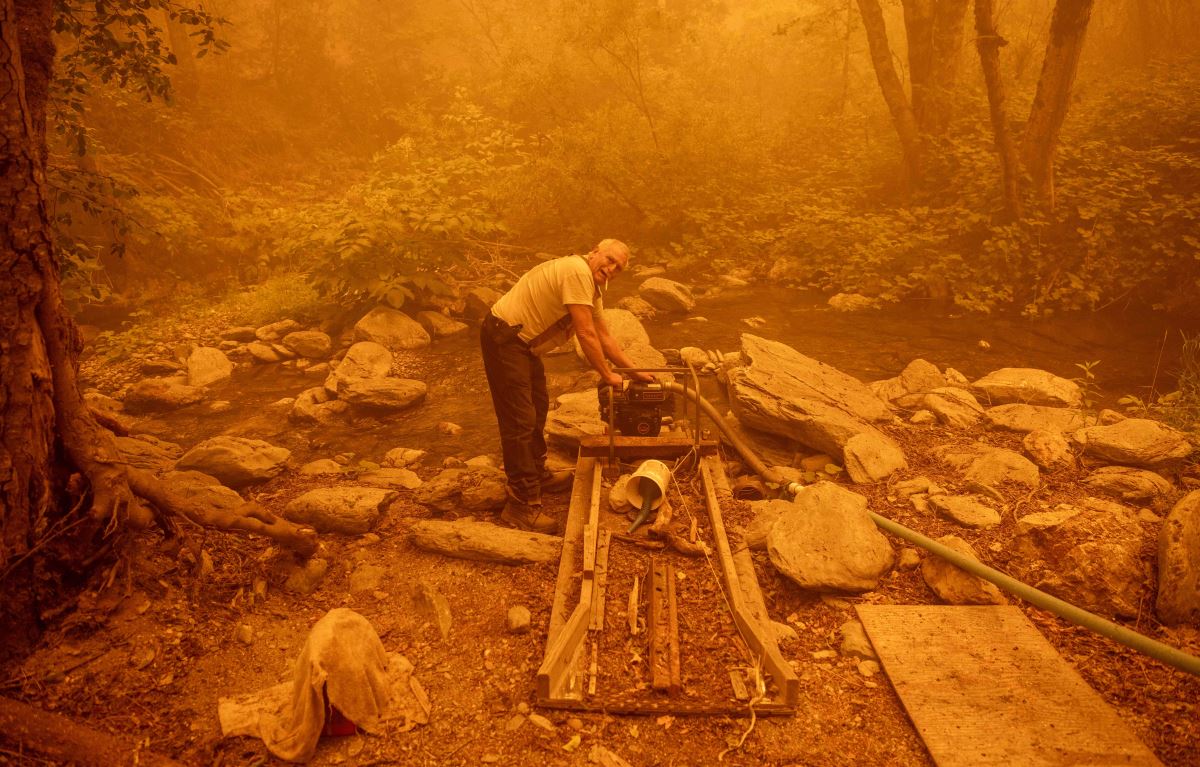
(869, 345)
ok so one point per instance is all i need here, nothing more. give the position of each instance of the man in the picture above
(550, 302)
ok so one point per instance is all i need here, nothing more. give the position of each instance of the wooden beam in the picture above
(586, 482)
(666, 446)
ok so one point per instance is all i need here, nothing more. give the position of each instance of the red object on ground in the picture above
(336, 722)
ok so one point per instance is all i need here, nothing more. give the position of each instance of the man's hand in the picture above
(613, 379)
(644, 377)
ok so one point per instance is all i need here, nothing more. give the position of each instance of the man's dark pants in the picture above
(517, 380)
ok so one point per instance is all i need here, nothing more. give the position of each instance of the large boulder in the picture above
(1131, 485)
(235, 461)
(953, 407)
(439, 325)
(1135, 442)
(830, 544)
(346, 510)
(1179, 563)
(637, 306)
(365, 359)
(206, 365)
(312, 344)
(1088, 555)
(1024, 418)
(383, 394)
(766, 514)
(1030, 386)
(908, 389)
(460, 492)
(783, 392)
(990, 465)
(195, 485)
(391, 328)
(577, 416)
(478, 301)
(157, 395)
(146, 452)
(871, 457)
(667, 295)
(625, 328)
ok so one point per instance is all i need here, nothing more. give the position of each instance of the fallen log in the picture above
(26, 729)
(485, 542)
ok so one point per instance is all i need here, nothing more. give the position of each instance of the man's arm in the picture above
(590, 341)
(613, 351)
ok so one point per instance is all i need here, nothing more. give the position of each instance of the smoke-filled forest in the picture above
(923, 263)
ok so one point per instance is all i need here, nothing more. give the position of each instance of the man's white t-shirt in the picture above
(540, 298)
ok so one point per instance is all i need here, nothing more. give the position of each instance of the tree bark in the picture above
(893, 90)
(989, 42)
(949, 24)
(1068, 27)
(918, 29)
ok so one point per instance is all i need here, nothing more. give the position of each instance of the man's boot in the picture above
(527, 514)
(557, 481)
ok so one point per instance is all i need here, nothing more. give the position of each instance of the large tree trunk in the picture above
(1067, 30)
(989, 42)
(29, 486)
(893, 90)
(934, 30)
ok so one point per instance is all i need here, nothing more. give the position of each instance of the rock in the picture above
(1131, 485)
(283, 353)
(518, 619)
(322, 466)
(478, 301)
(394, 478)
(439, 325)
(909, 558)
(449, 429)
(236, 461)
(1179, 563)
(314, 406)
(917, 485)
(365, 359)
(871, 457)
(244, 633)
(109, 411)
(1026, 418)
(542, 722)
(157, 395)
(637, 306)
(307, 578)
(274, 332)
(1089, 558)
(484, 542)
(146, 452)
(766, 514)
(1135, 442)
(464, 491)
(966, 510)
(312, 344)
(206, 366)
(577, 416)
(953, 407)
(401, 457)
(868, 668)
(1029, 386)
(1048, 449)
(392, 329)
(855, 643)
(241, 333)
(908, 388)
(435, 606)
(667, 295)
(955, 585)
(264, 353)
(990, 465)
(382, 394)
(160, 367)
(851, 302)
(345, 510)
(1107, 417)
(831, 543)
(784, 392)
(626, 328)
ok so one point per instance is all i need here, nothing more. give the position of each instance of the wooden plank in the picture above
(589, 549)
(585, 486)
(983, 687)
(552, 676)
(601, 580)
(675, 684)
(657, 626)
(763, 647)
(668, 445)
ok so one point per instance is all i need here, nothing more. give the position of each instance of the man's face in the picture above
(607, 264)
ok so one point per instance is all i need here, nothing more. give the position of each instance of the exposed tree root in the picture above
(249, 518)
(30, 729)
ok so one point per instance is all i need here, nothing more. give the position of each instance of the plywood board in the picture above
(984, 687)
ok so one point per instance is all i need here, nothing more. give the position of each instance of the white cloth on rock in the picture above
(344, 659)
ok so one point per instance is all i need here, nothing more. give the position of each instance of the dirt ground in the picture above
(154, 644)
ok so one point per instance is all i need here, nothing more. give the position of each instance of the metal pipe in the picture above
(1167, 654)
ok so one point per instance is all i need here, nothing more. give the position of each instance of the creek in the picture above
(869, 345)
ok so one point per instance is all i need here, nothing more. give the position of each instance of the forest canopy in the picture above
(378, 149)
